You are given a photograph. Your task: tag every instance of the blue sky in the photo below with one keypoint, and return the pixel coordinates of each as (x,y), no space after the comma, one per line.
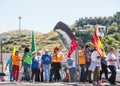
(42,15)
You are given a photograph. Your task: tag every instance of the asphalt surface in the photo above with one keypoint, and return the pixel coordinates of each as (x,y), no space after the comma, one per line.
(52,84)
(21,83)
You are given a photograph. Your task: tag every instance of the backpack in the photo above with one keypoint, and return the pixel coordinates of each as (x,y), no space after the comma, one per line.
(70,62)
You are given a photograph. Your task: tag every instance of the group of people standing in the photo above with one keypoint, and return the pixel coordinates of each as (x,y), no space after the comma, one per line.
(46,67)
(97,64)
(36,66)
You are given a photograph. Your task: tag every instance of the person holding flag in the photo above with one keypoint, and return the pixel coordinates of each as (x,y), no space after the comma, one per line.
(9,64)
(96,56)
(27,61)
(95,66)
(71,60)
(27,58)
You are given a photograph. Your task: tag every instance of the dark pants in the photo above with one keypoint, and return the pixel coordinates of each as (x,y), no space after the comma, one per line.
(105,71)
(34,72)
(40,75)
(112,78)
(72,74)
(83,71)
(57,66)
(88,72)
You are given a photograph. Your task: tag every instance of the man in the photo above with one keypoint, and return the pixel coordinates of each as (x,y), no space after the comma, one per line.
(88,61)
(111,61)
(82,64)
(72,67)
(46,61)
(27,61)
(95,66)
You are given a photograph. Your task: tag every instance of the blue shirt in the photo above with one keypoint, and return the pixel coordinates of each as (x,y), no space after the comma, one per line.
(46,59)
(35,63)
(9,63)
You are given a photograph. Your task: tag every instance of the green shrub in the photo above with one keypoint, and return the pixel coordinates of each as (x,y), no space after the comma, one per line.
(23,35)
(23,45)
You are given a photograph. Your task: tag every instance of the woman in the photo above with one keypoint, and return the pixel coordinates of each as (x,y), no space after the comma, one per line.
(57,57)
(35,67)
(16,59)
(111,61)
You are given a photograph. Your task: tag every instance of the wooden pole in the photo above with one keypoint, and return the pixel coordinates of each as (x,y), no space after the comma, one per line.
(1,60)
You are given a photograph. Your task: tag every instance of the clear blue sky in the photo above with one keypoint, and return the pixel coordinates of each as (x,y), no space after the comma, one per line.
(42,15)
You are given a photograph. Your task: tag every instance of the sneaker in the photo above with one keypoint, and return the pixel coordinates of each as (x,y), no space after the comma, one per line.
(30,81)
(113,83)
(95,83)
(11,80)
(100,81)
(90,81)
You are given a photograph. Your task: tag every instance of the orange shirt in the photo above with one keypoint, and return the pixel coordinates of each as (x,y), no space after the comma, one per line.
(81,57)
(16,60)
(57,57)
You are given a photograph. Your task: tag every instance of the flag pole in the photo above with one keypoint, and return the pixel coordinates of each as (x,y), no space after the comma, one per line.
(1,62)
(76,61)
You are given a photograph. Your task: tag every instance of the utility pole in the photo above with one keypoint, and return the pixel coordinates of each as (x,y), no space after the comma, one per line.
(20,25)
(1,59)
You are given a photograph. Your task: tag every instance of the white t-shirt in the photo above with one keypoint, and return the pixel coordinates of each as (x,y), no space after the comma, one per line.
(94,61)
(111,56)
(38,58)
(94,58)
(73,58)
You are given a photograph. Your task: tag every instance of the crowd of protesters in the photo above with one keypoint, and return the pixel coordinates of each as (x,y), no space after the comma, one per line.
(38,67)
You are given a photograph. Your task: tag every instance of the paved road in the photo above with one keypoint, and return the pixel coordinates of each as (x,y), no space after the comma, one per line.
(7,83)
(52,84)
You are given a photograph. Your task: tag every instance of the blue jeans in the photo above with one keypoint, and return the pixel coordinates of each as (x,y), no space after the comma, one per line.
(11,75)
(27,68)
(83,71)
(52,71)
(46,69)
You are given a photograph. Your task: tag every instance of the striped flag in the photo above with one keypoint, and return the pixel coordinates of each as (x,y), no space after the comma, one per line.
(97,43)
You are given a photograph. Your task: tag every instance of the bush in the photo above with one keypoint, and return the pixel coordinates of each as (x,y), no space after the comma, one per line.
(23,45)
(23,35)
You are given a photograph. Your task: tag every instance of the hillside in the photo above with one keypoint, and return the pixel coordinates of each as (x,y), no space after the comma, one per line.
(49,40)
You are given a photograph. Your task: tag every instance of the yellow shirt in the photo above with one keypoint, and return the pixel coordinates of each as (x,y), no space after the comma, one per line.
(81,57)
(16,60)
(57,57)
